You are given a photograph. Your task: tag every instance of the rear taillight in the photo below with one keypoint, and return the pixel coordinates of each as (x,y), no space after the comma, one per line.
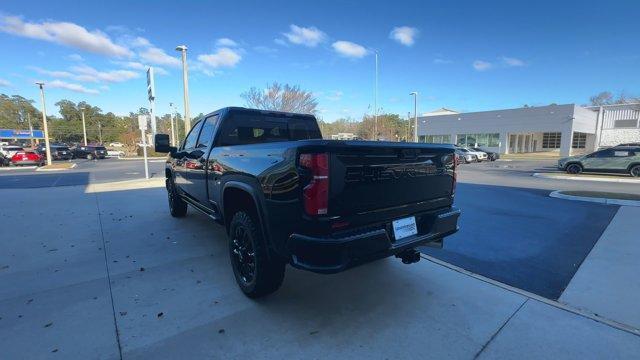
(316,193)
(455,177)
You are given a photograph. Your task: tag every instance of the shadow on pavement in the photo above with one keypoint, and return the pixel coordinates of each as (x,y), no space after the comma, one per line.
(39,180)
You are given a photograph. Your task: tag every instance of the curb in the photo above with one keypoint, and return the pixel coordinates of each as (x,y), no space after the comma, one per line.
(9,168)
(61,169)
(156,182)
(584,178)
(141,158)
(559,195)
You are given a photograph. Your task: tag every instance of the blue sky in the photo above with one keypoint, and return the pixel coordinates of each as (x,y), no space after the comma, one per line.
(468,56)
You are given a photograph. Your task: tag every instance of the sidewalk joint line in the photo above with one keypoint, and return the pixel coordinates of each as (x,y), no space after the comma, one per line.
(495,334)
(530,295)
(106,264)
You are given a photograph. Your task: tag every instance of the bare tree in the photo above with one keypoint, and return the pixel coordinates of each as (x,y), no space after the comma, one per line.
(281,98)
(607,98)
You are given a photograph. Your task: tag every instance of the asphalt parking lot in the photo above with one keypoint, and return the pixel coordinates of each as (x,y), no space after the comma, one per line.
(511,231)
(85,172)
(110,274)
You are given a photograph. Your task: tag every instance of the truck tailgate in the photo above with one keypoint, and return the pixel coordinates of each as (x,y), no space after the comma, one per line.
(373,176)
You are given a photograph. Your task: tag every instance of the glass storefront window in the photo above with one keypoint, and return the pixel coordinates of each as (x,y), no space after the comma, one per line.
(479,140)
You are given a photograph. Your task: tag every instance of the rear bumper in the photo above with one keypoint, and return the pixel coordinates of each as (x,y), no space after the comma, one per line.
(335,254)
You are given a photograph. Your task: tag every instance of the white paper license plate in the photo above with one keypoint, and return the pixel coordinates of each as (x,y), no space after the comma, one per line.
(404,228)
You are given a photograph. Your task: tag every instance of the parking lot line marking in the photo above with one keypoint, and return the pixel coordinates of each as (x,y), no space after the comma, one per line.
(556,304)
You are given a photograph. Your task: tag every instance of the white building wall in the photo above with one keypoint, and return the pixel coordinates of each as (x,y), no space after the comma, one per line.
(612,137)
(552,118)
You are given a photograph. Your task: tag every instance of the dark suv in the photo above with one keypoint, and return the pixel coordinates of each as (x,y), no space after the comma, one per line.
(90,152)
(58,152)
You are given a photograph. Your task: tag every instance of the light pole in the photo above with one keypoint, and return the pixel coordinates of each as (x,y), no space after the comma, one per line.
(84,129)
(415,115)
(44,123)
(185,84)
(375,102)
(173,131)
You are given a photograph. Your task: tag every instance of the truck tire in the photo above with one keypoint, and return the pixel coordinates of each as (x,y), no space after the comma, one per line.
(256,273)
(177,206)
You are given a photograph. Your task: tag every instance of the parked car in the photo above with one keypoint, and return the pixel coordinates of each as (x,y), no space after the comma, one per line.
(10,150)
(4,161)
(491,156)
(27,158)
(619,159)
(466,156)
(480,155)
(286,196)
(90,152)
(115,153)
(116,144)
(58,152)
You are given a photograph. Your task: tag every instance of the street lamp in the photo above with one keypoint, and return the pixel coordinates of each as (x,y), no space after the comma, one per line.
(44,123)
(173,131)
(415,115)
(185,84)
(375,101)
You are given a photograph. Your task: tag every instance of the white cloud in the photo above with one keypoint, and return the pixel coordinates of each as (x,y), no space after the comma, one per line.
(265,50)
(157,56)
(142,67)
(512,62)
(405,35)
(280,42)
(64,33)
(5,83)
(482,65)
(75,57)
(349,49)
(160,71)
(334,96)
(226,42)
(133,65)
(223,57)
(307,36)
(59,84)
(139,41)
(52,73)
(89,74)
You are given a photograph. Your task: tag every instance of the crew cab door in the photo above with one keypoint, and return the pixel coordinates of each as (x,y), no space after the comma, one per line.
(183,158)
(196,169)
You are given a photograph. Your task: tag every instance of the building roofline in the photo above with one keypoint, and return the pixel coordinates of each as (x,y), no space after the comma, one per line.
(518,108)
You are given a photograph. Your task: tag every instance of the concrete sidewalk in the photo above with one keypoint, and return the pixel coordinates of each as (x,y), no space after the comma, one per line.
(607,282)
(122,262)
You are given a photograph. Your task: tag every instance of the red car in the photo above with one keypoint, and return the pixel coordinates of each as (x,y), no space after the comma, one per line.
(27,158)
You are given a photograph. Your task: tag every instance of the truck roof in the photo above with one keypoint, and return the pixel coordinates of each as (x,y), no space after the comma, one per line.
(266,112)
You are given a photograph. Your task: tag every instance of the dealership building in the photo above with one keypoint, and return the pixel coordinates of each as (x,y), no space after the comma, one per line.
(567,129)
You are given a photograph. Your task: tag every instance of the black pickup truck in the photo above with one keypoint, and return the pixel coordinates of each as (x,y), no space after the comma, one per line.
(286,196)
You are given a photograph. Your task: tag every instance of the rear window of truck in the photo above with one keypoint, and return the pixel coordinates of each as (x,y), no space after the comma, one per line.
(255,128)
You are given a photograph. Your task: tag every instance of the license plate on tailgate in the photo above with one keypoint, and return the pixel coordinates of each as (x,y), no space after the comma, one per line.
(403,228)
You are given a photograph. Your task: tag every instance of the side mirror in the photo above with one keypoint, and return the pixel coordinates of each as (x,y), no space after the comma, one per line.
(162,144)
